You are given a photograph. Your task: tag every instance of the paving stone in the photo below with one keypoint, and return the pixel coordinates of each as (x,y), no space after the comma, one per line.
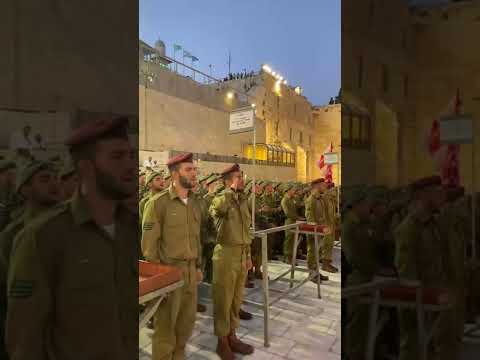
(278,345)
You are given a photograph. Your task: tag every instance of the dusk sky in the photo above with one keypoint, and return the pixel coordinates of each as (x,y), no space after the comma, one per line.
(298,39)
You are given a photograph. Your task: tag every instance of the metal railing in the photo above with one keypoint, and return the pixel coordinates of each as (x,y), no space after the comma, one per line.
(266,282)
(374,289)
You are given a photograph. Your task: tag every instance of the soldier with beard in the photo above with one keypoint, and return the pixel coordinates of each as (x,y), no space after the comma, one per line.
(418,254)
(171,236)
(74,271)
(38,186)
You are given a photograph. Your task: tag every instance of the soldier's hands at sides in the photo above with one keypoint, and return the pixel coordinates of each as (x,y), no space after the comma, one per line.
(199,276)
(249,264)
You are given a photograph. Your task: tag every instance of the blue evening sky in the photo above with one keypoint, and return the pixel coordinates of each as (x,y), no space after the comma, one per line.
(299,39)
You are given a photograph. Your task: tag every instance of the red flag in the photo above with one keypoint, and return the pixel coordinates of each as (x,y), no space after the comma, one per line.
(321,164)
(451,165)
(447,157)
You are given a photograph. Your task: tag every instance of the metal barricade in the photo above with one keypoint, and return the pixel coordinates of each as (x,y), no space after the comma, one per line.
(374,289)
(267,302)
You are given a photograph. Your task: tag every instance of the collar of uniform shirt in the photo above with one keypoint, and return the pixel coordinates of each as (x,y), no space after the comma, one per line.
(81,212)
(173,193)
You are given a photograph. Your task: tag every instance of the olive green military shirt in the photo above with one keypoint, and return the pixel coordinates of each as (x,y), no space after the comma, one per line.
(231,215)
(72,288)
(290,208)
(171,229)
(418,254)
(315,209)
(359,247)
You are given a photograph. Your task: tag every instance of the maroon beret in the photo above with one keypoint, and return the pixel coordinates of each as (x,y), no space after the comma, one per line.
(318,181)
(94,130)
(230,169)
(426,182)
(331,185)
(182,158)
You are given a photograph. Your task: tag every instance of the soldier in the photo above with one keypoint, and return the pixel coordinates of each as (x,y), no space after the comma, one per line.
(359,249)
(268,212)
(155,184)
(290,209)
(202,191)
(37,184)
(451,221)
(7,185)
(171,236)
(256,272)
(68,181)
(74,270)
(418,254)
(231,262)
(209,230)
(316,211)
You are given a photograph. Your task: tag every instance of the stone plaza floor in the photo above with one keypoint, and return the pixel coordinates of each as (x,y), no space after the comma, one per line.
(301,326)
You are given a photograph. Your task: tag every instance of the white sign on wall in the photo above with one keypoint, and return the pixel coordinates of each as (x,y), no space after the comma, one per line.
(456,129)
(242,120)
(330,158)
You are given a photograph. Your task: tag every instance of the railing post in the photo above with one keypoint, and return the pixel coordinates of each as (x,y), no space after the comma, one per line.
(266,294)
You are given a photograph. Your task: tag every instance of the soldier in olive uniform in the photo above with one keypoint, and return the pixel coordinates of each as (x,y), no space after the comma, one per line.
(210,233)
(73,270)
(290,209)
(360,252)
(451,220)
(155,184)
(38,186)
(231,261)
(7,185)
(171,236)
(259,225)
(268,211)
(316,211)
(419,255)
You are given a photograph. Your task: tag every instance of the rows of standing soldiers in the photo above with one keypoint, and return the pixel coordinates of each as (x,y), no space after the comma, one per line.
(420,232)
(226,253)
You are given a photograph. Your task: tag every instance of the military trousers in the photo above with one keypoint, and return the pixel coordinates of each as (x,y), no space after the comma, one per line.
(229,275)
(175,317)
(207,253)
(288,242)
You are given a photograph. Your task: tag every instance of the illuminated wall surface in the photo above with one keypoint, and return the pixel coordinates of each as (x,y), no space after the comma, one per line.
(177,113)
(402,68)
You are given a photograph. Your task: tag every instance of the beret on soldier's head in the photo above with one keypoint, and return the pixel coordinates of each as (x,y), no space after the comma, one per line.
(100,129)
(7,165)
(318,181)
(182,158)
(231,169)
(426,182)
(29,170)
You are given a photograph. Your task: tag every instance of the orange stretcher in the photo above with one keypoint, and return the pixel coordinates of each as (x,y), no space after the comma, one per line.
(155,283)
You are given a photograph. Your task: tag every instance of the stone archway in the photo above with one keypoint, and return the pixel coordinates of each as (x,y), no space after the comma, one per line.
(386,145)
